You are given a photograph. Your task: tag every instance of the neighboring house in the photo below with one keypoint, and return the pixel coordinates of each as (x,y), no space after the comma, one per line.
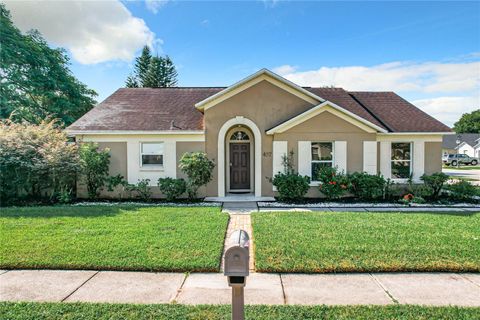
(248,127)
(464,143)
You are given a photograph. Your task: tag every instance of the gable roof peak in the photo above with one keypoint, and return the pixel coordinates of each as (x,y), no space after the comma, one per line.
(260,75)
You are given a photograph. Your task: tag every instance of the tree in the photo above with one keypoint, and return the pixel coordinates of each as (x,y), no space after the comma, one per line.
(94,164)
(131,82)
(142,65)
(36,81)
(198,169)
(152,71)
(154,74)
(169,73)
(36,162)
(468,123)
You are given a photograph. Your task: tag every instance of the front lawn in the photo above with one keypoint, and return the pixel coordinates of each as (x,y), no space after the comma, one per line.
(86,311)
(112,238)
(365,242)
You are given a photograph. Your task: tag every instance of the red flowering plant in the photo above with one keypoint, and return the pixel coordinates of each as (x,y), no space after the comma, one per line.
(333,184)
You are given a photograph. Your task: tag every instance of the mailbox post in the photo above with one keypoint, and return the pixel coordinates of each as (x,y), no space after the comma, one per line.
(236,268)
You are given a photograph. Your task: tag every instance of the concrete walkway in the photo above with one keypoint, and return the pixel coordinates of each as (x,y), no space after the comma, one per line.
(262,288)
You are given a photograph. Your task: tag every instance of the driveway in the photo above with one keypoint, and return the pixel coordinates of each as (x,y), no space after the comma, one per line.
(469,174)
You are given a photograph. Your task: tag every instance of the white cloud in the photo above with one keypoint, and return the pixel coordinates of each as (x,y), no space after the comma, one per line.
(155,5)
(93,31)
(396,76)
(448,89)
(285,69)
(448,109)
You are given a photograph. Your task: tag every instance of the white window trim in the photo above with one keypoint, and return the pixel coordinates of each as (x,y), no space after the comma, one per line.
(151,167)
(316,182)
(401,180)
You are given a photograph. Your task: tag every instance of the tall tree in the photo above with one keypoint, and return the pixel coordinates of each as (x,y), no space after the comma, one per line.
(36,81)
(169,73)
(142,64)
(152,71)
(154,78)
(468,123)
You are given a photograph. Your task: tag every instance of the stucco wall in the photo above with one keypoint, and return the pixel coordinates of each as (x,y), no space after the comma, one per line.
(118,165)
(328,127)
(433,157)
(266,105)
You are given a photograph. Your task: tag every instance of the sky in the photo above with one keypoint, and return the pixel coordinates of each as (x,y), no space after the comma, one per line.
(427,52)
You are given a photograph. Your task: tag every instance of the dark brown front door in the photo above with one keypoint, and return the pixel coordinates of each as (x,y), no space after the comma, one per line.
(239,166)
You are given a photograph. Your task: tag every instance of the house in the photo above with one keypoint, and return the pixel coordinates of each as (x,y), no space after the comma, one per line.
(248,127)
(464,143)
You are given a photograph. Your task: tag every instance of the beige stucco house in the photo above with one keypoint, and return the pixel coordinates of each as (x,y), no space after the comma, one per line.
(247,128)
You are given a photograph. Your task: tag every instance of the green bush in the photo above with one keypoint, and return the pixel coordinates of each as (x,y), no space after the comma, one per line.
(366,186)
(115,181)
(435,182)
(142,189)
(94,164)
(36,162)
(198,169)
(462,190)
(333,184)
(291,186)
(172,188)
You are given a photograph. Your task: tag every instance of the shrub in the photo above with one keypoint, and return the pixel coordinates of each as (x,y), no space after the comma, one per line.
(333,184)
(367,186)
(462,190)
(410,198)
(94,163)
(35,162)
(198,169)
(435,182)
(142,188)
(172,188)
(115,181)
(291,186)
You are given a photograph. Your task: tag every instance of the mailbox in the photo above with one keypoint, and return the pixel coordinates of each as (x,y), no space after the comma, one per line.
(237,258)
(236,268)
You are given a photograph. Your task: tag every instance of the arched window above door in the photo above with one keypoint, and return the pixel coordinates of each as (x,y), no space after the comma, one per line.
(239,136)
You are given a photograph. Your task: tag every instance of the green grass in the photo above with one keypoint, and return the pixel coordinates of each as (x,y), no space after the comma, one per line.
(112,238)
(84,311)
(366,242)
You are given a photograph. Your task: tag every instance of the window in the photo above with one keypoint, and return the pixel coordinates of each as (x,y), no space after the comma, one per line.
(152,154)
(239,136)
(401,160)
(322,156)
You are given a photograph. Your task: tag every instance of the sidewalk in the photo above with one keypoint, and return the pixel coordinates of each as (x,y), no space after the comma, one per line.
(262,288)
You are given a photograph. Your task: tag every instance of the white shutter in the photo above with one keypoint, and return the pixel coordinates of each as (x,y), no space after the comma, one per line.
(279,151)
(340,155)
(305,158)
(370,157)
(418,159)
(385,159)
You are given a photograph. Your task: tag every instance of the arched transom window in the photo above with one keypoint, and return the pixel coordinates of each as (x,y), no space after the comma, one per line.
(239,136)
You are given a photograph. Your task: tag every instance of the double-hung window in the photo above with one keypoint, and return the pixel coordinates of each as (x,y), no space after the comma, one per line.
(401,160)
(322,156)
(152,154)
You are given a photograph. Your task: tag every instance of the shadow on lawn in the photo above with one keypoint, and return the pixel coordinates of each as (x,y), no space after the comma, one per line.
(65,211)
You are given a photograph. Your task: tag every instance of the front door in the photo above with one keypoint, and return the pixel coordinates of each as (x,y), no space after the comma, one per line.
(239,166)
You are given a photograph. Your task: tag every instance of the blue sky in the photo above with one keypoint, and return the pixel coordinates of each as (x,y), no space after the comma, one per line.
(428,52)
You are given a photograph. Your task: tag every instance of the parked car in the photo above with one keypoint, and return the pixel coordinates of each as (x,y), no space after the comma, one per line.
(459,159)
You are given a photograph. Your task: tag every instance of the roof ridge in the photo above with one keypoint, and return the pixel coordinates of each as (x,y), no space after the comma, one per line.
(370,112)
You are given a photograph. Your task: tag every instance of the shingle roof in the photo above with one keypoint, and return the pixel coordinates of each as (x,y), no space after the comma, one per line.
(147,109)
(161,109)
(450,141)
(398,114)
